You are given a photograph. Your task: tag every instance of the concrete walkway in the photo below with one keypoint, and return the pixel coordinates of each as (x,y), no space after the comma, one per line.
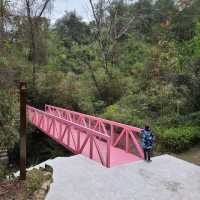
(166,178)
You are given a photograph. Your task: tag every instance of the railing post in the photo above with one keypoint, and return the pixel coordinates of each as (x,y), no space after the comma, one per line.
(112,134)
(89,123)
(68,136)
(46,108)
(23,136)
(54,127)
(78,141)
(91,147)
(138,147)
(127,141)
(108,154)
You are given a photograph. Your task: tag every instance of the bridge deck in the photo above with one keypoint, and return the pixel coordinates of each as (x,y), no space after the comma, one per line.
(118,156)
(121,157)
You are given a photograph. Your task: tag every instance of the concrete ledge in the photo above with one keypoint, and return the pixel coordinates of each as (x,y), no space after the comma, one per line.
(166,178)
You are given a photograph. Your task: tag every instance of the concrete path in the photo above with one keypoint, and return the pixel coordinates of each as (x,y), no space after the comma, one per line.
(166,178)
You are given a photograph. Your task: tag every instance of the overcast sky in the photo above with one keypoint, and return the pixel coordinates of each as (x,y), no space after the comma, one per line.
(81,7)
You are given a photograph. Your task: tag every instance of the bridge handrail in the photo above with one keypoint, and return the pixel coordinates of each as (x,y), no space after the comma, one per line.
(93,132)
(127,133)
(130,128)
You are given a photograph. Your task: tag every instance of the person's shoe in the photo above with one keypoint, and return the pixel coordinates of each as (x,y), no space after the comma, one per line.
(149,160)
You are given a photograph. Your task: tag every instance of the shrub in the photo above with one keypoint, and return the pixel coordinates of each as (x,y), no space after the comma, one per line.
(2,172)
(192,119)
(8,118)
(34,180)
(178,139)
(117,113)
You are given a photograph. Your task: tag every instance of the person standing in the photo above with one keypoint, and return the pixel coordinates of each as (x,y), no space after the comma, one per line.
(147,140)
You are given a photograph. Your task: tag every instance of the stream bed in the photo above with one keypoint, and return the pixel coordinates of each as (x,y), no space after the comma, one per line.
(192,155)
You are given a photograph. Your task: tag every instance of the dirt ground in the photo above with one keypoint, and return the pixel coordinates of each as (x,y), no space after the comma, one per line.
(192,155)
(34,188)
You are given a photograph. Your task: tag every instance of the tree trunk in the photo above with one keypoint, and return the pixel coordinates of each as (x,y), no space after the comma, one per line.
(32,49)
(2,30)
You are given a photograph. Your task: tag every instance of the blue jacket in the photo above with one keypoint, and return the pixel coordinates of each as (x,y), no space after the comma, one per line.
(147,139)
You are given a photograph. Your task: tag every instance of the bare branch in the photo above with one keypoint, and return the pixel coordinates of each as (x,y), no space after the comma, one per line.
(44,7)
(93,11)
(125,29)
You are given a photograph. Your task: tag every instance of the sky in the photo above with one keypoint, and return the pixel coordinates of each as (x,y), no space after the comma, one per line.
(81,7)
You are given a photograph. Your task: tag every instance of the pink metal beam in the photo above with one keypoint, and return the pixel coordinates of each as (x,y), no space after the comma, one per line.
(106,127)
(75,137)
(49,108)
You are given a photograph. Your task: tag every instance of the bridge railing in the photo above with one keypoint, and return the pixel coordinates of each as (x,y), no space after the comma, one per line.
(122,135)
(71,135)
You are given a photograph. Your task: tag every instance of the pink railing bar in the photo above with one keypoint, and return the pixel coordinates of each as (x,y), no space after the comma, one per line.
(98,134)
(58,129)
(117,124)
(107,127)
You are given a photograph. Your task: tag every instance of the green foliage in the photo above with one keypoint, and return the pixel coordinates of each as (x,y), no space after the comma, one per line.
(3,61)
(71,29)
(36,139)
(178,139)
(192,119)
(122,114)
(134,54)
(35,179)
(151,73)
(8,119)
(2,172)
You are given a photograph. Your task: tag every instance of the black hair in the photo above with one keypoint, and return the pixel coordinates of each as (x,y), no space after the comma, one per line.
(147,128)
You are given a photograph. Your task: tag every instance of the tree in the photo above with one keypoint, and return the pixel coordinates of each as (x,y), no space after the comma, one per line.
(4,18)
(8,117)
(111,23)
(185,20)
(71,28)
(34,12)
(143,10)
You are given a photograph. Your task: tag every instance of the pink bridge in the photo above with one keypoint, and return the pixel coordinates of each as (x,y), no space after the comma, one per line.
(107,142)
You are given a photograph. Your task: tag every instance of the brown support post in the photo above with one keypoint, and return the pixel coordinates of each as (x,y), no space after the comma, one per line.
(23,136)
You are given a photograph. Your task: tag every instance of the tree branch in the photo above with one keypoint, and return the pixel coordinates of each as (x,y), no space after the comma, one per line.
(44,7)
(125,29)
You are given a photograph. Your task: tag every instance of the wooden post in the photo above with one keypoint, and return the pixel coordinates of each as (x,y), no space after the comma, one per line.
(23,136)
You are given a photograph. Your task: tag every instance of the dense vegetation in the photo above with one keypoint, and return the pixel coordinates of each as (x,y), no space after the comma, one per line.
(136,62)
(34,187)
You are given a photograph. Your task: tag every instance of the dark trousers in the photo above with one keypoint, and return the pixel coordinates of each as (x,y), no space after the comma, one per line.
(147,154)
